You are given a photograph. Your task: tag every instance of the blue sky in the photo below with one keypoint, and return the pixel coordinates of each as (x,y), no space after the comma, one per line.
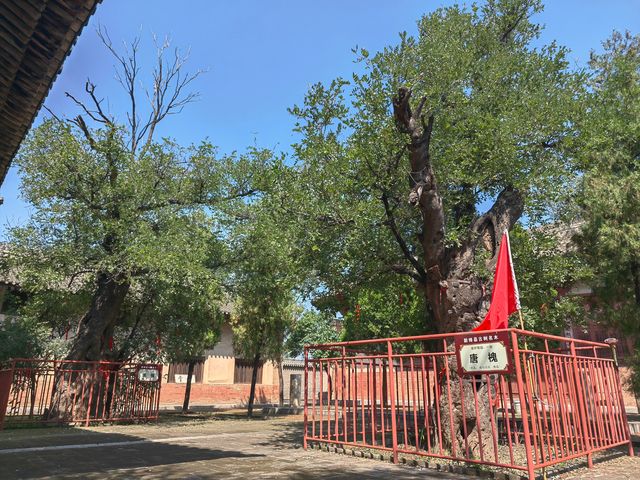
(262,56)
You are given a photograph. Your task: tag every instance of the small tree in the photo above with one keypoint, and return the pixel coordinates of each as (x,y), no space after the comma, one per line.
(259,329)
(189,324)
(264,285)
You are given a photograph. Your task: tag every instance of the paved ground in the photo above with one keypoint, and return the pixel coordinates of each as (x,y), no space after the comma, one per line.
(227,449)
(211,448)
(620,468)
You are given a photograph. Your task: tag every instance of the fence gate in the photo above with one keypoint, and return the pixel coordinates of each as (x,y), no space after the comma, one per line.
(549,399)
(71,392)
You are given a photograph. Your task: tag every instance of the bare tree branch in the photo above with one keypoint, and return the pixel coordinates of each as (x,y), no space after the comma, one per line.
(169,83)
(406,251)
(130,70)
(424,189)
(79,121)
(55,117)
(506,35)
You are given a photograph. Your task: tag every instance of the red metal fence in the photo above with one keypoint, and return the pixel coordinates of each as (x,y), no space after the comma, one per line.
(49,391)
(561,399)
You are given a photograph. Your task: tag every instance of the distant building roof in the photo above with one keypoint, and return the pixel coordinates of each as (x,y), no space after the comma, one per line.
(35,38)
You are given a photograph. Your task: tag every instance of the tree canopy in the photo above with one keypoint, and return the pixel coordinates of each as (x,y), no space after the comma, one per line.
(415,165)
(121,218)
(609,198)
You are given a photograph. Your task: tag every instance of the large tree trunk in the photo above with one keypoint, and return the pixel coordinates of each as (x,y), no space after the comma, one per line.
(187,390)
(106,303)
(254,379)
(89,345)
(454,293)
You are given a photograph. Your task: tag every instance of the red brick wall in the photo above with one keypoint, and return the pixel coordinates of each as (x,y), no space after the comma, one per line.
(203,394)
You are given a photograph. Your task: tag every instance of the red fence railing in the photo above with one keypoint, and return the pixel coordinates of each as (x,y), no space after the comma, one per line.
(561,399)
(63,391)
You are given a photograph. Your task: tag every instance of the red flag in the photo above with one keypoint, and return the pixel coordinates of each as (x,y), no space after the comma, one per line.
(505,298)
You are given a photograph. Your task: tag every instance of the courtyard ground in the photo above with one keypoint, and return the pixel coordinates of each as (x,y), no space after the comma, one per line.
(208,447)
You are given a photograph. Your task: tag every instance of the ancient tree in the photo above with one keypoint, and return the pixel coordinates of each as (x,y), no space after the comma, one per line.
(476,120)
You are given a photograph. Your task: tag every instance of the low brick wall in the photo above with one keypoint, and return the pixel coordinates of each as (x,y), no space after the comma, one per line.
(216,395)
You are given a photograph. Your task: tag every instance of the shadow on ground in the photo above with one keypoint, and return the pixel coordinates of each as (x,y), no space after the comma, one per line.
(99,453)
(288,436)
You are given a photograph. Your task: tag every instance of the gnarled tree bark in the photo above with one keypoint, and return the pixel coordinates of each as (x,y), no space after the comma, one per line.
(454,293)
(67,400)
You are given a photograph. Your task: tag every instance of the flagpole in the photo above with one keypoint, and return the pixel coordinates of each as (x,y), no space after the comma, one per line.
(526,347)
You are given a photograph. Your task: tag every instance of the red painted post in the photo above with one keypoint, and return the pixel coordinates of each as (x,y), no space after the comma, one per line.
(93,380)
(313,396)
(363,391)
(392,394)
(505,415)
(344,404)
(523,406)
(446,369)
(404,402)
(320,407)
(415,409)
(157,412)
(306,393)
(6,380)
(494,431)
(582,410)
(426,397)
(436,387)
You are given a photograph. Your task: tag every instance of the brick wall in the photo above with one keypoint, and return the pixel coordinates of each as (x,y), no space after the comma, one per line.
(216,395)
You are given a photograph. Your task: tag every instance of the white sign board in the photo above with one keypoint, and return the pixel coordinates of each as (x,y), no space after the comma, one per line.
(483,352)
(484,357)
(182,378)
(148,375)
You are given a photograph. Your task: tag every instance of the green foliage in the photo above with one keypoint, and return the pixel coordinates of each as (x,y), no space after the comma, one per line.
(311,328)
(110,201)
(395,310)
(188,321)
(609,198)
(264,283)
(545,266)
(505,115)
(105,209)
(23,338)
